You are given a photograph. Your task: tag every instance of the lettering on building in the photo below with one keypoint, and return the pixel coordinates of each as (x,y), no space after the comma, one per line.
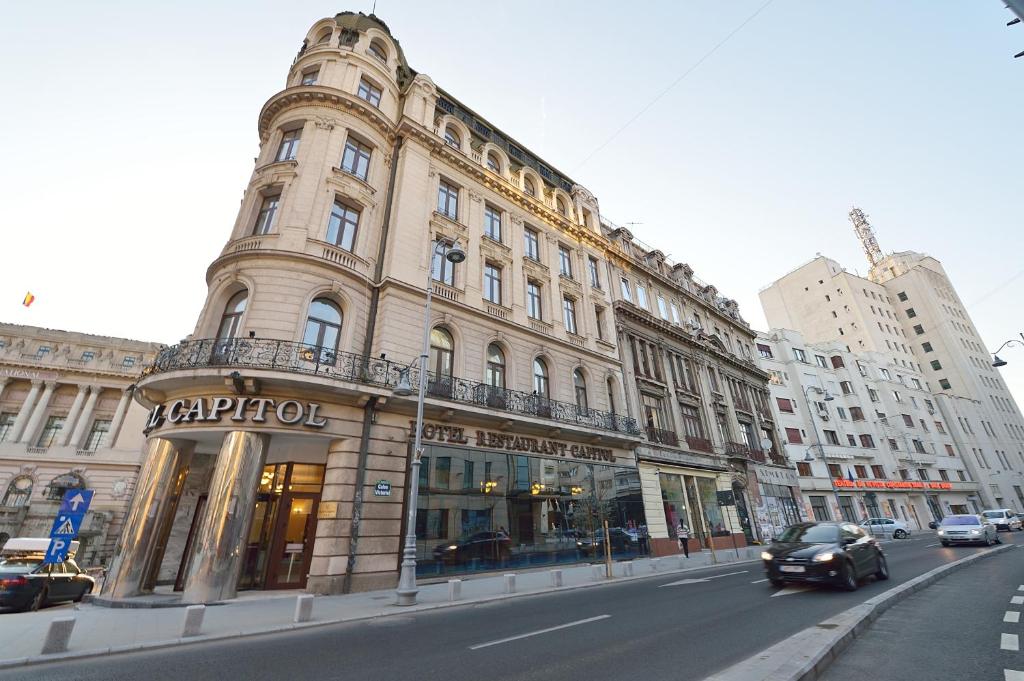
(510,442)
(890,484)
(237,409)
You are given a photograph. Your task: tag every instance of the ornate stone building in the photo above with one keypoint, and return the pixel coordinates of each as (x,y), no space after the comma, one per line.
(277,451)
(67,420)
(701,401)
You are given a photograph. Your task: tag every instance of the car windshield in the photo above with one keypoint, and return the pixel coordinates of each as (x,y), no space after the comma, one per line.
(961,520)
(993,514)
(19,565)
(810,534)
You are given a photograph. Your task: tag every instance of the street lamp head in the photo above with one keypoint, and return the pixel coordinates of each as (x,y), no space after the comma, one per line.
(404,387)
(998,362)
(808,457)
(828,397)
(455,254)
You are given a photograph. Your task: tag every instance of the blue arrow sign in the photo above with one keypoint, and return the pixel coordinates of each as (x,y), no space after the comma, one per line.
(57,551)
(65,525)
(76,501)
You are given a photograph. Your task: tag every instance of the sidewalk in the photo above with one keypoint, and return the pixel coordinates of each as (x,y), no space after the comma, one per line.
(102,630)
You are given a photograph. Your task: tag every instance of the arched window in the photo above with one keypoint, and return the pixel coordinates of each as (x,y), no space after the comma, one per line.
(442,354)
(560,205)
(495,374)
(324,38)
(323,328)
(493,163)
(18,491)
(451,137)
(378,50)
(580,388)
(529,187)
(540,378)
(62,483)
(231,320)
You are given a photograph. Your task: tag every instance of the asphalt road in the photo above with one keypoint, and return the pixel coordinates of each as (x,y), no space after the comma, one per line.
(642,629)
(951,630)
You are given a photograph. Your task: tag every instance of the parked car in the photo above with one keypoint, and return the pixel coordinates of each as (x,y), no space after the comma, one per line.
(890,527)
(967,529)
(27,584)
(1003,519)
(621,541)
(825,552)
(480,546)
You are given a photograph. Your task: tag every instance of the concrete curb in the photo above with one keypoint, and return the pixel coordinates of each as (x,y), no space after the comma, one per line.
(805,656)
(395,610)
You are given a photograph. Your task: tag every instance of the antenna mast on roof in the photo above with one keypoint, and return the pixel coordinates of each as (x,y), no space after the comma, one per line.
(866,234)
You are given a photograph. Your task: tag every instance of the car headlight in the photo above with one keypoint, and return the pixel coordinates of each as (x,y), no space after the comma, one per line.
(767,556)
(975,531)
(941,532)
(452,547)
(824,557)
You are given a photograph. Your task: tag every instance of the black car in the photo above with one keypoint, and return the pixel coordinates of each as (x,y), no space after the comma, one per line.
(27,584)
(830,553)
(496,546)
(622,541)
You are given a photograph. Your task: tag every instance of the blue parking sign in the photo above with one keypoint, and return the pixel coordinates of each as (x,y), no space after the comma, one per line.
(57,551)
(76,501)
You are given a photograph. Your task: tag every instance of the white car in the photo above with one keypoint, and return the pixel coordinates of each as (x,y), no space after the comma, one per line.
(967,529)
(886,527)
(1003,519)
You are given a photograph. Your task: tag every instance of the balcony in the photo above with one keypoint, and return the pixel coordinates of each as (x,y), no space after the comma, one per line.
(742,451)
(665,437)
(299,358)
(700,444)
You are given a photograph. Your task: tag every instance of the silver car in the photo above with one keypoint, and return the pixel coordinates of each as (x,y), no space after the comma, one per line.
(967,529)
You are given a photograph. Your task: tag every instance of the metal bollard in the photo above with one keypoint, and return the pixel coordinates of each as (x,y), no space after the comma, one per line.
(58,635)
(627,568)
(454,589)
(556,578)
(510,583)
(654,564)
(303,608)
(193,620)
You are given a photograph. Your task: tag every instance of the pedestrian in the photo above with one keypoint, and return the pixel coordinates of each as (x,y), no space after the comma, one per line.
(683,532)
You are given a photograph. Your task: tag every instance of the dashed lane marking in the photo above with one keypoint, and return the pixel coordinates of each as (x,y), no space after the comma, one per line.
(540,631)
(759,581)
(1012,616)
(1009,642)
(790,590)
(1017,600)
(928,546)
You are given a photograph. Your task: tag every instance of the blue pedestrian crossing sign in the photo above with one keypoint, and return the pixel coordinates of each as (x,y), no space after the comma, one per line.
(73,507)
(65,525)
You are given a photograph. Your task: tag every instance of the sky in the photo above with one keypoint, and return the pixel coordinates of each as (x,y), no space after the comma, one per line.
(130,133)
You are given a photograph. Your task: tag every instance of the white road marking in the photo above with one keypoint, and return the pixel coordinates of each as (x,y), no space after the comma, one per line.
(760,580)
(1009,642)
(1020,588)
(1012,616)
(790,590)
(1017,600)
(538,633)
(698,580)
(1010,675)
(928,546)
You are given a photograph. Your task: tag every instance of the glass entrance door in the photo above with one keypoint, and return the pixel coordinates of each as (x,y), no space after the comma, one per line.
(293,543)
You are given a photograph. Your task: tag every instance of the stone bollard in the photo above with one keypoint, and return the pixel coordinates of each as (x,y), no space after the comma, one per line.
(556,578)
(58,635)
(654,564)
(303,607)
(627,568)
(683,561)
(454,589)
(510,583)
(597,571)
(193,620)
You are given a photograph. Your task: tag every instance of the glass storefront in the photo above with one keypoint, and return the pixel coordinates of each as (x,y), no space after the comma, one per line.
(489,511)
(693,500)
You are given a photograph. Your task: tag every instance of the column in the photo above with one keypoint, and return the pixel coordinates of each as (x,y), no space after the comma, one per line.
(32,429)
(85,420)
(157,490)
(220,540)
(334,523)
(122,409)
(3,383)
(26,410)
(72,414)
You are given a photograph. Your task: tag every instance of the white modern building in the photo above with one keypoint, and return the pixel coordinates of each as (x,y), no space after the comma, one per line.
(867,439)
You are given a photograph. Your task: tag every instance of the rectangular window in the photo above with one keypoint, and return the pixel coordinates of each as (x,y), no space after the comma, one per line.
(265,218)
(341,230)
(922,473)
(675,315)
(896,396)
(867,441)
(492,223)
(87,356)
(448,200)
(873,394)
(961,476)
(943,474)
(837,362)
(424,472)
(856,414)
(842,413)
(886,375)
(595,275)
(846,387)
(599,321)
(764,350)
(128,362)
(6,424)
(565,262)
(467,474)
(893,445)
(908,420)
(878,472)
(440,268)
(289,145)
(356,159)
(918,329)
(927,347)
(860,470)
(917,383)
(936,365)
(904,474)
(831,437)
(492,283)
(944,384)
(939,427)
(820,360)
(369,92)
(902,296)
(820,508)
(911,313)
(51,430)
(662,308)
(310,77)
(533,305)
(569,314)
(800,355)
(785,404)
(627,294)
(693,425)
(531,245)
(793,436)
(98,435)
(641,296)
(443,472)
(803,469)
(835,470)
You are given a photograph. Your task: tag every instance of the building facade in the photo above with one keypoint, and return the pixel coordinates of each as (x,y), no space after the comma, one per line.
(867,440)
(277,451)
(908,312)
(67,421)
(702,403)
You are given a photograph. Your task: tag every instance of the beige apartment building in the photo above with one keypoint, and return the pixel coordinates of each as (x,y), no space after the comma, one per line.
(67,421)
(908,311)
(278,453)
(702,402)
(867,439)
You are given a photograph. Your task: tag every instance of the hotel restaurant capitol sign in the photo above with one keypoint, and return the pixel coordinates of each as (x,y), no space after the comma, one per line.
(236,409)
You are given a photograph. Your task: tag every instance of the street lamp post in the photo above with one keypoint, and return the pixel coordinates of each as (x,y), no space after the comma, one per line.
(407,588)
(996,361)
(817,439)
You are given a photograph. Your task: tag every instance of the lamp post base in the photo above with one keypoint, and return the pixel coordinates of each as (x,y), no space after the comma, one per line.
(407,589)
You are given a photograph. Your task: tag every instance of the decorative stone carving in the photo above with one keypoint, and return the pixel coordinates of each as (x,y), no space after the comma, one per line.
(325,123)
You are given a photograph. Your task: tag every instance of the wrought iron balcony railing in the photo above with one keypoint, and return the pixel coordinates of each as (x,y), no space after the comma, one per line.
(700,444)
(665,437)
(262,353)
(738,449)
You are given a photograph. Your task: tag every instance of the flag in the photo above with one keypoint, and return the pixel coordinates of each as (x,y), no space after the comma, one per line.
(29,299)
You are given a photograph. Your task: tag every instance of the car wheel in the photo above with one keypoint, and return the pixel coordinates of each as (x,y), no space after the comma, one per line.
(38,601)
(849,578)
(883,568)
(900,534)
(777,583)
(86,590)
(988,540)
(945,543)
